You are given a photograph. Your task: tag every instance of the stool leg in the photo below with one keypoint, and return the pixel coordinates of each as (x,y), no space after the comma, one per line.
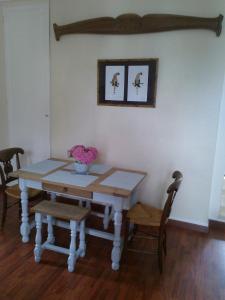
(51,238)
(82,245)
(37,249)
(72,257)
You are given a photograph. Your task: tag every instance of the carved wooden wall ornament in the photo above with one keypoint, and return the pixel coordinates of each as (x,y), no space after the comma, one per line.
(135,24)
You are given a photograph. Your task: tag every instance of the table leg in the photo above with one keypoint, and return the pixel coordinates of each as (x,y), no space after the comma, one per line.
(116,251)
(25,226)
(106,217)
(53,196)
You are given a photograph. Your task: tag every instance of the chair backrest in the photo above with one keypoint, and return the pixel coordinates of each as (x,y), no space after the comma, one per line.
(171,191)
(6,155)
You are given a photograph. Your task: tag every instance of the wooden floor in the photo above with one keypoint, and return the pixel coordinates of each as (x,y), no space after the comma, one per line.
(194,269)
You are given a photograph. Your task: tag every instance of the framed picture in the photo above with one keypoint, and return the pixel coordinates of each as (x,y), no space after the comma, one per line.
(127,82)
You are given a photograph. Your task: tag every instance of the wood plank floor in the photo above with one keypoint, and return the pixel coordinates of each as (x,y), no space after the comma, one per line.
(194,269)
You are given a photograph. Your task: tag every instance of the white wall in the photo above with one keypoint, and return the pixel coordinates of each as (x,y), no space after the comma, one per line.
(219,165)
(26,29)
(3,102)
(4,122)
(180,133)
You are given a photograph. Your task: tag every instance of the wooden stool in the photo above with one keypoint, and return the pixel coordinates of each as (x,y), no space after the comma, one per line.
(75,214)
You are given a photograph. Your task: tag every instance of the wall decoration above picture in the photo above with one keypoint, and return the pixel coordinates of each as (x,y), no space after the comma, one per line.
(127,82)
(135,24)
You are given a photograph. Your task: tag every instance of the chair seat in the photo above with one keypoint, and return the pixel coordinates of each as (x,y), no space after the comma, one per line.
(142,214)
(14,191)
(61,210)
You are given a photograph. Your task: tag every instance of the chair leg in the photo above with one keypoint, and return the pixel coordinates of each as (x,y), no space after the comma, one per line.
(132,230)
(160,256)
(20,210)
(4,209)
(126,236)
(164,243)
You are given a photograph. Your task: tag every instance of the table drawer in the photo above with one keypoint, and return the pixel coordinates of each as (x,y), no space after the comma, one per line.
(66,190)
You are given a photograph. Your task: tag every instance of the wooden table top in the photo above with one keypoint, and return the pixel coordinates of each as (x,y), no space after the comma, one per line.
(58,172)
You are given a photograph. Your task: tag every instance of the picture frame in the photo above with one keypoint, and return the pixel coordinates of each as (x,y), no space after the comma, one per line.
(127,82)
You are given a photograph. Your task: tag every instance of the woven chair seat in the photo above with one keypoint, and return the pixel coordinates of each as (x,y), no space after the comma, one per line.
(14,191)
(143,214)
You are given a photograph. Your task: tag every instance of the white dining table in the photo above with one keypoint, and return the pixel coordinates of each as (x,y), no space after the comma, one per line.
(106,185)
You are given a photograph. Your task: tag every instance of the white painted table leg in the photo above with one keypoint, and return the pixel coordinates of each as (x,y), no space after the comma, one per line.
(88,204)
(25,226)
(111,217)
(53,196)
(106,217)
(82,245)
(116,251)
(72,256)
(37,249)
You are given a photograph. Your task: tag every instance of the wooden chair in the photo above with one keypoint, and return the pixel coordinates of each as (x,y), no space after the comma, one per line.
(155,219)
(6,157)
(75,215)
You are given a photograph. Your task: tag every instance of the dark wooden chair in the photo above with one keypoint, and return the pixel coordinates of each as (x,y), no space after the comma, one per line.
(6,167)
(152,219)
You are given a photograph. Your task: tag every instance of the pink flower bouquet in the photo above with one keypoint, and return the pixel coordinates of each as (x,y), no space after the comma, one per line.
(83,155)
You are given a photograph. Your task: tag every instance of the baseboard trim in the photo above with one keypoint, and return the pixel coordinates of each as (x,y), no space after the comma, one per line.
(187,225)
(215,224)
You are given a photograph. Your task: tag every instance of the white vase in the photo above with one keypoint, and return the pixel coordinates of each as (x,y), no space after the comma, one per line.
(81,168)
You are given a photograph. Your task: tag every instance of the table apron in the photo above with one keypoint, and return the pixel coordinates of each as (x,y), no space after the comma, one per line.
(32,183)
(78,194)
(66,190)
